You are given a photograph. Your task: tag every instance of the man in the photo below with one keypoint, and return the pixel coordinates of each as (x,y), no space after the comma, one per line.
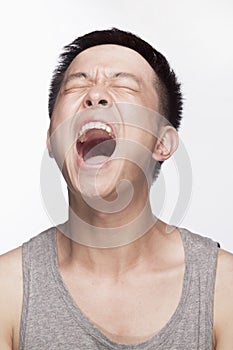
(114,276)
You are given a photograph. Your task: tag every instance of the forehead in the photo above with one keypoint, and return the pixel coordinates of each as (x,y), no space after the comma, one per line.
(111,57)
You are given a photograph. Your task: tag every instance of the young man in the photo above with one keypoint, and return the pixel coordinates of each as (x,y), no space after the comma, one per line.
(114,276)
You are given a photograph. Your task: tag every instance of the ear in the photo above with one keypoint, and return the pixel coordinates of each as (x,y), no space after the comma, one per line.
(49,144)
(166,144)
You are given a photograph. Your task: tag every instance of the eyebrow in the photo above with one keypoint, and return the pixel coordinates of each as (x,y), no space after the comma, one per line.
(85,75)
(77,75)
(126,75)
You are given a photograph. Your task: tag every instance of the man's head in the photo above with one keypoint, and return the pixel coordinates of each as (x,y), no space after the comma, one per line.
(98,70)
(166,84)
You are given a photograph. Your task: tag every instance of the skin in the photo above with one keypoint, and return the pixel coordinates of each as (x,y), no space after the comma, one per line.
(155,260)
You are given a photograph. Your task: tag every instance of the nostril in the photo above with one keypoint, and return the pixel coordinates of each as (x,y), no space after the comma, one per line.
(88,103)
(103,102)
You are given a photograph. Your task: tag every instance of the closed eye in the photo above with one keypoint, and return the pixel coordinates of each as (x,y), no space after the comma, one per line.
(125,81)
(76,87)
(126,87)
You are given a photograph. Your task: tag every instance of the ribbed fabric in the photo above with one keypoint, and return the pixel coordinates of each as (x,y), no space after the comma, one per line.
(51,320)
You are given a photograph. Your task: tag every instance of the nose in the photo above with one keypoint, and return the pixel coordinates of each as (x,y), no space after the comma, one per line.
(97,97)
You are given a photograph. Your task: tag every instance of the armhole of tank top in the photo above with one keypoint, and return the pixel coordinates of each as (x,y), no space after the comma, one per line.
(211,272)
(25,301)
(210,269)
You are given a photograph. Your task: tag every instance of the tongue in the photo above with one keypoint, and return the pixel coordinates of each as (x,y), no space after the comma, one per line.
(98,146)
(100,149)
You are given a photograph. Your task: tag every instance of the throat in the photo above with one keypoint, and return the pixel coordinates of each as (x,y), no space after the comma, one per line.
(96,146)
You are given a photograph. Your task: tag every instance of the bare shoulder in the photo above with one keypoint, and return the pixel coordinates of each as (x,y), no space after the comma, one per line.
(11,292)
(224,276)
(11,258)
(11,268)
(223,309)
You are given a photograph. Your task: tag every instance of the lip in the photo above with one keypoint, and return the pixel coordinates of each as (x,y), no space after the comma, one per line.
(88,166)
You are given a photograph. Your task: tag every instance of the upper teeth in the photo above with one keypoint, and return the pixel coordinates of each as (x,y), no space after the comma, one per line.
(93,125)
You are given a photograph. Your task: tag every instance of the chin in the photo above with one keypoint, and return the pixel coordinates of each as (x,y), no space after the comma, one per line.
(93,181)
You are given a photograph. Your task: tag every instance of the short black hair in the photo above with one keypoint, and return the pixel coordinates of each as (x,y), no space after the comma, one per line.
(168,87)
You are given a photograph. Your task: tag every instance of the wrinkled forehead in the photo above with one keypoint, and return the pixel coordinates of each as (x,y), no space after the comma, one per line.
(111,57)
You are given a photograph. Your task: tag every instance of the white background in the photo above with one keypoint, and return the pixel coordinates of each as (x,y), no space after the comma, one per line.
(195,36)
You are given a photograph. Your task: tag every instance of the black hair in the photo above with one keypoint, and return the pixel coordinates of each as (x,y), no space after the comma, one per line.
(167,85)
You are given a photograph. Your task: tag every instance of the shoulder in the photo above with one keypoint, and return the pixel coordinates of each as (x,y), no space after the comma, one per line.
(11,293)
(223,308)
(200,249)
(11,268)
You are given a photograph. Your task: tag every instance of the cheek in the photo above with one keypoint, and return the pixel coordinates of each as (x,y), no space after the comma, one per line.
(139,136)
(66,107)
(150,101)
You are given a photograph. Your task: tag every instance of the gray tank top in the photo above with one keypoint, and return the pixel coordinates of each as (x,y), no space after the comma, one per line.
(51,320)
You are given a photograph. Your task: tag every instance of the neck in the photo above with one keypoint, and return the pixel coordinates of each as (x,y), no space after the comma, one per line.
(114,262)
(118,209)
(108,244)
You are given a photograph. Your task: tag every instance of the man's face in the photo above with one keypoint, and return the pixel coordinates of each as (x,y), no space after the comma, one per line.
(106,106)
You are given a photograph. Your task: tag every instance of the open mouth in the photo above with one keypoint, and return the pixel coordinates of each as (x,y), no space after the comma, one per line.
(96,142)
